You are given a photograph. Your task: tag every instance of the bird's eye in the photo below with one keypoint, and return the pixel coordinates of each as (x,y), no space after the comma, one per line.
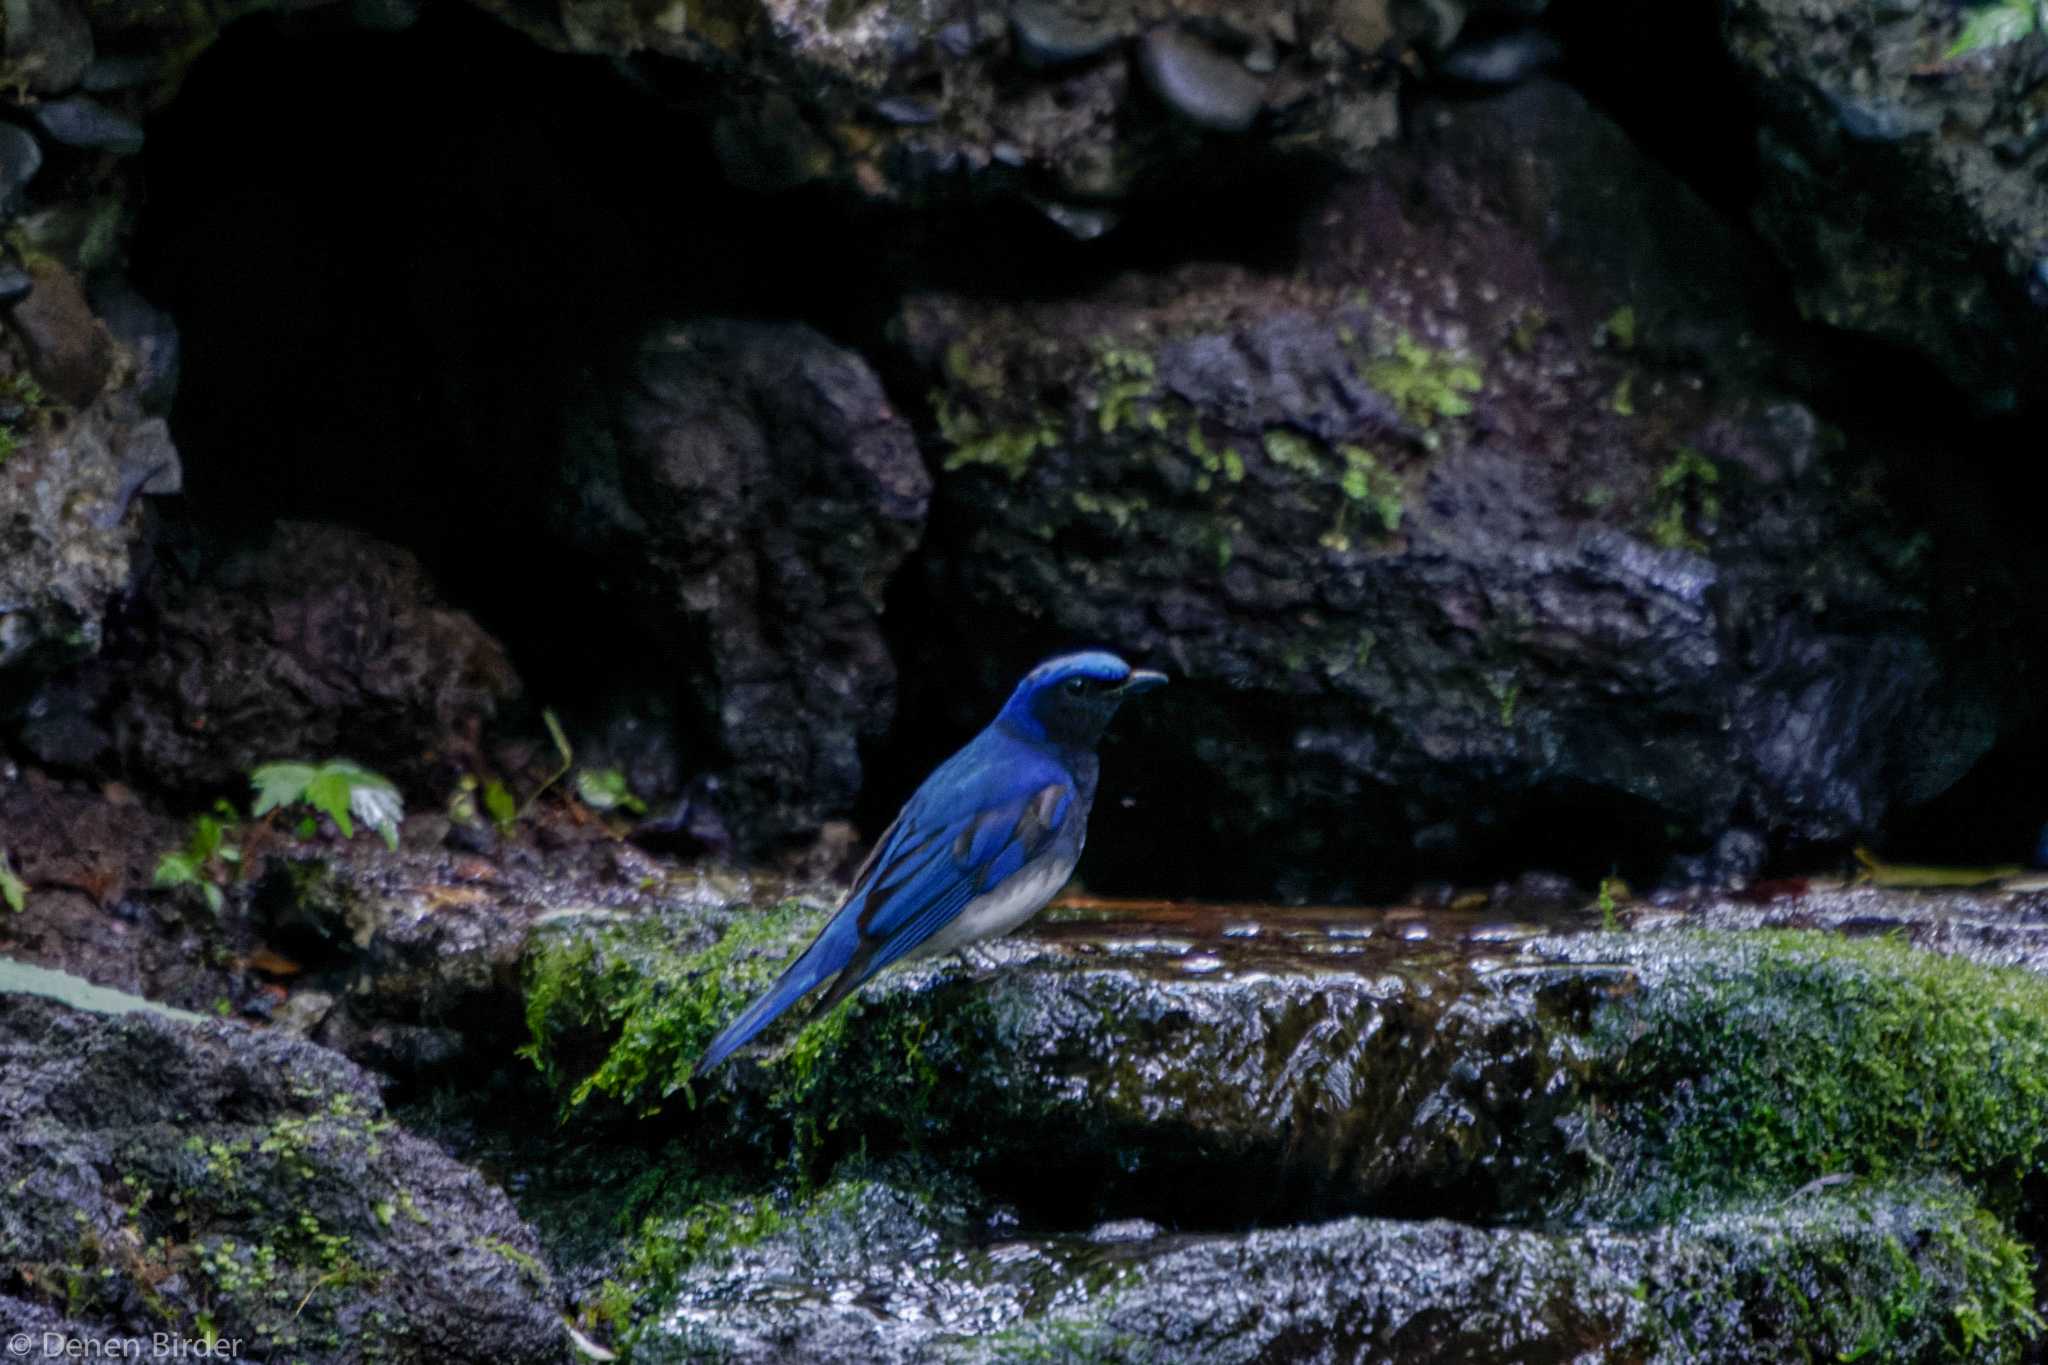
(1076,686)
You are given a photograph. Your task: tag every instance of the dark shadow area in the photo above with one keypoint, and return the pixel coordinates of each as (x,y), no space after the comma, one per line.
(1663,74)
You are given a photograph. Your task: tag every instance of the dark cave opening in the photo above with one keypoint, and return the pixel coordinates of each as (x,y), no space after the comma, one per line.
(393,284)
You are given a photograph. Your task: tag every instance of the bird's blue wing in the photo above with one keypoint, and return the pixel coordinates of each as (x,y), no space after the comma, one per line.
(943,851)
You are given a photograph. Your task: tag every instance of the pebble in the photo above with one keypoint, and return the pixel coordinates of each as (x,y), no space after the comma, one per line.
(906,110)
(1202,85)
(1504,59)
(21,156)
(81,122)
(1048,34)
(1082,224)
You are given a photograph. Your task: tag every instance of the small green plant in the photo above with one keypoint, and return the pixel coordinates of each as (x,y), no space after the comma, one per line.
(2000,24)
(606,789)
(499,804)
(13,889)
(1613,891)
(209,858)
(342,791)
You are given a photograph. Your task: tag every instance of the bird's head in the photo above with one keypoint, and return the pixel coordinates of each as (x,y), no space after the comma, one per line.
(1070,700)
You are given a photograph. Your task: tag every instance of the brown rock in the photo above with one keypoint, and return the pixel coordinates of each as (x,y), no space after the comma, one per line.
(70,351)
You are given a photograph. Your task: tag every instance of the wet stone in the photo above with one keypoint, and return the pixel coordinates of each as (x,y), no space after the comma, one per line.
(1049,34)
(1729,1287)
(82,122)
(1206,87)
(20,158)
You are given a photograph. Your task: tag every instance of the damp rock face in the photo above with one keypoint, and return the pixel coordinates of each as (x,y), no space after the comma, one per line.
(1449,1135)
(173,1175)
(78,453)
(1067,103)
(316,642)
(1742,1285)
(1484,501)
(751,488)
(1903,188)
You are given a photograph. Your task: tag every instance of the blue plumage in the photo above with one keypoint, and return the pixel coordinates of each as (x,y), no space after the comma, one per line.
(981,846)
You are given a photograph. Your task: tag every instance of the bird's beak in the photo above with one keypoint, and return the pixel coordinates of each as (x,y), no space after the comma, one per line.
(1141,680)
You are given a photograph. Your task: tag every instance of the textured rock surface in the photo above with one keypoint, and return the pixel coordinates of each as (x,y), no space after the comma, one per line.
(1905,191)
(167,1175)
(79,452)
(751,484)
(920,103)
(1645,1138)
(1465,518)
(870,1279)
(313,643)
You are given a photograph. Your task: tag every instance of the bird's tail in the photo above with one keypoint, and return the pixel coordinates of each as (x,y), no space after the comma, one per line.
(826,956)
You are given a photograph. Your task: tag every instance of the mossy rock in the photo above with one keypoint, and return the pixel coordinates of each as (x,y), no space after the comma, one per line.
(1751,1064)
(213,1180)
(1891,1273)
(1756,1141)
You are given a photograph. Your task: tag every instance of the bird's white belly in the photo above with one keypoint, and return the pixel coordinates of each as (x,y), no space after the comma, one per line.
(1002,909)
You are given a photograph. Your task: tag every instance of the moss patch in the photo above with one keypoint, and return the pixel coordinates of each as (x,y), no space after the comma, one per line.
(1423,384)
(660,1007)
(1763,1062)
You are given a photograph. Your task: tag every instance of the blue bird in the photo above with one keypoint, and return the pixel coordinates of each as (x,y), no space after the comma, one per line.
(988,839)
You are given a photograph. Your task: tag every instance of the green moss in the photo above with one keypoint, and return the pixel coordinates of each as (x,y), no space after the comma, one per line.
(535,1273)
(1121,511)
(1423,384)
(1620,327)
(1009,449)
(1377,491)
(1293,452)
(1685,491)
(1868,1274)
(1768,1061)
(663,1005)
(1124,379)
(1623,403)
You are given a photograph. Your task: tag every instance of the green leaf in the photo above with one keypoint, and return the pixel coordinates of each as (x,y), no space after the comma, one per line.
(175,869)
(499,803)
(606,789)
(1996,25)
(344,792)
(279,784)
(327,793)
(13,889)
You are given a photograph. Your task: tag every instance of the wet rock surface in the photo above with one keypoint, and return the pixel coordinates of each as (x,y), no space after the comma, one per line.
(751,486)
(1461,520)
(853,1281)
(1903,186)
(1644,1138)
(1046,99)
(1213,1132)
(313,641)
(80,455)
(207,1178)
